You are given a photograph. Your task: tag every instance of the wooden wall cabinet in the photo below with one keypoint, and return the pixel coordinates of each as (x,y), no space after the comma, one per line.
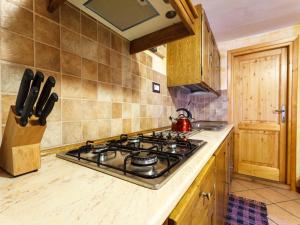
(194,61)
(205,202)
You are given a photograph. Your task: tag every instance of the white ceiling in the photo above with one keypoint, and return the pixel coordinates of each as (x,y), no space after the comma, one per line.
(230,19)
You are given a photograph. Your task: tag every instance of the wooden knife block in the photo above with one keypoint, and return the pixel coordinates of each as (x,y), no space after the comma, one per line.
(20,148)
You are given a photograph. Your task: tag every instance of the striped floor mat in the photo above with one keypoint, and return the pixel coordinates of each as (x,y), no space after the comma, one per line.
(242,211)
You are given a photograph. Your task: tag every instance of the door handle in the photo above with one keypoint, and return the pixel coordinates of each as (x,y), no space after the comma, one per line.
(282,111)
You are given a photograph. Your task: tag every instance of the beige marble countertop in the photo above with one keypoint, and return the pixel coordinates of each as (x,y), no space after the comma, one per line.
(64,193)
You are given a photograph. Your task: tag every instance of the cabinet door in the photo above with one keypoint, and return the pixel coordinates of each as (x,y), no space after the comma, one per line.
(198,202)
(216,69)
(206,52)
(221,194)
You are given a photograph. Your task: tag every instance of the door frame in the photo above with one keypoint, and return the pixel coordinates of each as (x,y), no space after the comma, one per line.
(292,44)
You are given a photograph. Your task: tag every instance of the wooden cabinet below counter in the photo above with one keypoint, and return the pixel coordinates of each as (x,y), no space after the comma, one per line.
(205,202)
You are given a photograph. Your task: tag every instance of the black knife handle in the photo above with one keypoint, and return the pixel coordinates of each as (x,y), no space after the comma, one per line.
(23,90)
(48,108)
(28,105)
(50,83)
(37,81)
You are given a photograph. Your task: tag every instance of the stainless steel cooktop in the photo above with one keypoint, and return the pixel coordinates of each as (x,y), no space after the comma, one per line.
(147,160)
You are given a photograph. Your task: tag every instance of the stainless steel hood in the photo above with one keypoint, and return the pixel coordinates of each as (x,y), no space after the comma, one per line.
(130,18)
(123,14)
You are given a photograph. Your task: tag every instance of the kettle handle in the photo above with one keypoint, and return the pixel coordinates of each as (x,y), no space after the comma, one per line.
(189,114)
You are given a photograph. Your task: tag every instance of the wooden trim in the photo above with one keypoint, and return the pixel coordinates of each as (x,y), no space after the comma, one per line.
(98,141)
(185,15)
(168,34)
(261,126)
(293,46)
(54,4)
(192,9)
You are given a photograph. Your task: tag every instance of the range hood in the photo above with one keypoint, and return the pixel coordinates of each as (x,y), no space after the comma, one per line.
(129,18)
(145,23)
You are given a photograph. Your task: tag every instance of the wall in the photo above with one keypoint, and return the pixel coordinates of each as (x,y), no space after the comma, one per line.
(103,90)
(288,32)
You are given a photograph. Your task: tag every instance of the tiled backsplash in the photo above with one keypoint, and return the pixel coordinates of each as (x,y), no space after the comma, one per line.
(104,91)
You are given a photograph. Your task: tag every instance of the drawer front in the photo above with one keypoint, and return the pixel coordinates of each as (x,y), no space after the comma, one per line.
(197,202)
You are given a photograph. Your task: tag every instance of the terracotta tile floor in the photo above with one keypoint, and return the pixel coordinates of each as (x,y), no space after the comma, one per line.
(283,205)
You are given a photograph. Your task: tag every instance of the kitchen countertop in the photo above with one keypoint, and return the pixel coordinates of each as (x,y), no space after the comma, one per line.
(65,193)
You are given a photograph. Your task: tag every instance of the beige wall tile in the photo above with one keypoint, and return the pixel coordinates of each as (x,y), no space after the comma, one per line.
(11,79)
(127,126)
(6,102)
(116,127)
(71,87)
(52,136)
(14,48)
(41,8)
(116,76)
(117,93)
(70,41)
(116,110)
(24,3)
(103,54)
(47,57)
(115,60)
(89,49)
(104,110)
(89,69)
(135,124)
(104,92)
(90,110)
(71,110)
(89,130)
(103,35)
(71,132)
(126,111)
(104,128)
(15,18)
(116,42)
(47,32)
(70,17)
(89,89)
(70,63)
(55,114)
(135,110)
(104,73)
(89,27)
(136,96)
(127,94)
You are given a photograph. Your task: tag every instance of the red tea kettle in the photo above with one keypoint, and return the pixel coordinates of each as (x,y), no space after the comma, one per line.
(183,122)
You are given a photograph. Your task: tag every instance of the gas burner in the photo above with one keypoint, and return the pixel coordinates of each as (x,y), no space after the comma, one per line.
(99,148)
(106,155)
(135,141)
(144,159)
(171,146)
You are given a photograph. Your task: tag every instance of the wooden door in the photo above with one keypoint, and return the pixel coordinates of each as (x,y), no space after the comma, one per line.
(259,91)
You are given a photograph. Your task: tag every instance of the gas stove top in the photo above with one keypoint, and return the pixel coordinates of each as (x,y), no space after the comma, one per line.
(147,160)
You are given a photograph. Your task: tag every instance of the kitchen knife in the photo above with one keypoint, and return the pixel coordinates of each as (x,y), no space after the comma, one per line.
(37,80)
(50,83)
(31,98)
(23,90)
(48,108)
